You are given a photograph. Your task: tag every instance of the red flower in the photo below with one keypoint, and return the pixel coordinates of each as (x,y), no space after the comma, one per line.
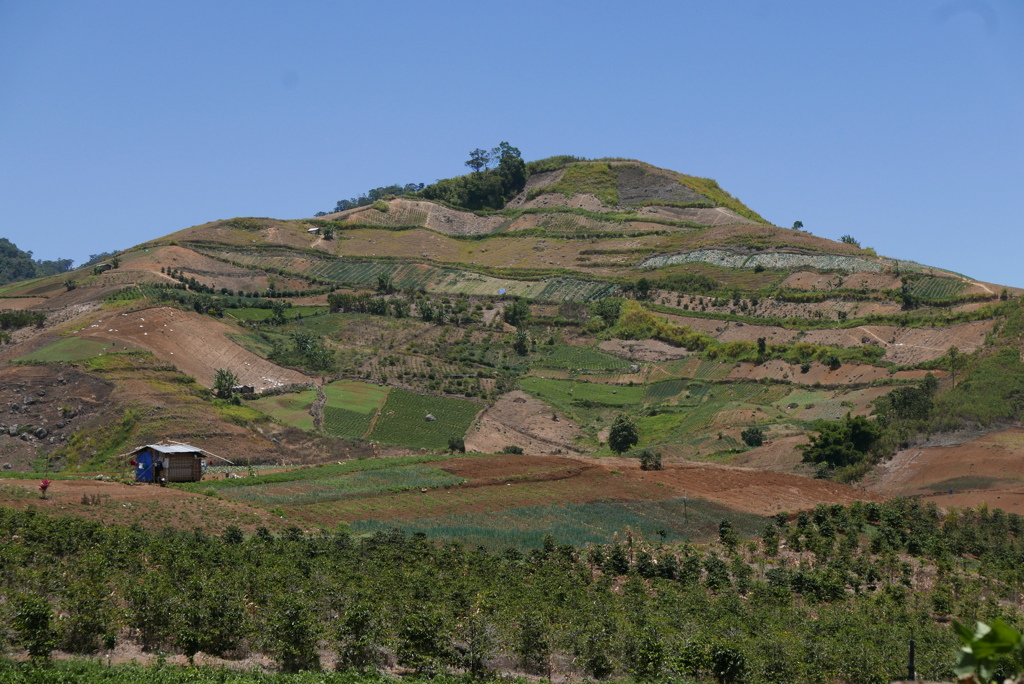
(44,484)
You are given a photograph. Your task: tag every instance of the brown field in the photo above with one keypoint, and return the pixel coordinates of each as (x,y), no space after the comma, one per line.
(983,470)
(500,482)
(518,419)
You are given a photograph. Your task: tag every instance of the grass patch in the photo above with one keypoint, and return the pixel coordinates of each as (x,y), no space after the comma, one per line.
(300,492)
(72,349)
(965,482)
(579,358)
(291,408)
(571,393)
(313,472)
(360,397)
(594,178)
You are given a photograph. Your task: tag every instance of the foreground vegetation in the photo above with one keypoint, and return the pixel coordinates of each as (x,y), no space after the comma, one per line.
(830,596)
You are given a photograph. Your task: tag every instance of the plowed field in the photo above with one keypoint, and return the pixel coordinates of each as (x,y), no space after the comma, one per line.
(197,345)
(988,469)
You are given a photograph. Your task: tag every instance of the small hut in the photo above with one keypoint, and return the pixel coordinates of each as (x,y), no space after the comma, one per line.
(169,463)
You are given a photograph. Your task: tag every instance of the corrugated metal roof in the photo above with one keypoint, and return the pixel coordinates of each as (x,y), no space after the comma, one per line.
(170,448)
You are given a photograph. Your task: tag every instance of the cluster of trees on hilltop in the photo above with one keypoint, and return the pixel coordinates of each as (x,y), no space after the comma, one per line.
(18,265)
(499,174)
(371,196)
(486,187)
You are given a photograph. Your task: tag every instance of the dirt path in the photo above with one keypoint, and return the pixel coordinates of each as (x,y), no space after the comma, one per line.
(317,409)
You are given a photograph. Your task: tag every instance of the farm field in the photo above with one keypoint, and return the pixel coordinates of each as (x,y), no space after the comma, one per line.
(291,408)
(403,419)
(984,469)
(673,521)
(197,345)
(152,507)
(501,482)
(300,492)
(75,349)
(290,313)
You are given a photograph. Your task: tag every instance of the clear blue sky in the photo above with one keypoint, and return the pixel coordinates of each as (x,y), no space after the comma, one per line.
(900,123)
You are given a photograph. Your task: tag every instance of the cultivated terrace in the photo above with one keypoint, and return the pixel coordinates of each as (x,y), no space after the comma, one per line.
(567,419)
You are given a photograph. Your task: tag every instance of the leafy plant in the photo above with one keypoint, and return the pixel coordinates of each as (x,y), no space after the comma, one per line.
(986,648)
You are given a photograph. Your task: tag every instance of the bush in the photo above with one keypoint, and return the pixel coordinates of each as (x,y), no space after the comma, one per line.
(650,460)
(753,436)
(457,445)
(512,449)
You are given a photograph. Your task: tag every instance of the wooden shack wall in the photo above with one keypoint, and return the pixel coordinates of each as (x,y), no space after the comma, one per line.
(184,468)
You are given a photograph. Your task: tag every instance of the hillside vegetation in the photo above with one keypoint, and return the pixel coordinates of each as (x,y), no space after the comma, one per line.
(585,370)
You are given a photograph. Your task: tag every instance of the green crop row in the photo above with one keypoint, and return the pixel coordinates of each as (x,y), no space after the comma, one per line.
(345,423)
(302,492)
(405,420)
(525,527)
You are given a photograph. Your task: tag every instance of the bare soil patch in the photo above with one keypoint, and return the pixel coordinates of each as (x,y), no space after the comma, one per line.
(823,282)
(197,345)
(649,351)
(518,419)
(42,408)
(755,491)
(985,470)
(21,303)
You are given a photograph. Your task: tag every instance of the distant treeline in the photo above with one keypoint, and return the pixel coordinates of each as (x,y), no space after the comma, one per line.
(372,196)
(18,265)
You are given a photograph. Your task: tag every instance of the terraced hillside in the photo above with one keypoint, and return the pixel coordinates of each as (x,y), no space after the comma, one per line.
(519,323)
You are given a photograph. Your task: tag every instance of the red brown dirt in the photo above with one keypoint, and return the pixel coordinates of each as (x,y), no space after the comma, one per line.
(983,470)
(197,345)
(509,481)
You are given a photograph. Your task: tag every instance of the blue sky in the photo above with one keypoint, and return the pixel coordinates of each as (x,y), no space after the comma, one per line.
(900,123)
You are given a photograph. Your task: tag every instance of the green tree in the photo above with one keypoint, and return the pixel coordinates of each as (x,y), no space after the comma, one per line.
(479,159)
(521,342)
(224,382)
(624,434)
(849,240)
(517,313)
(753,436)
(423,641)
(798,225)
(841,443)
(360,637)
(294,633)
(955,362)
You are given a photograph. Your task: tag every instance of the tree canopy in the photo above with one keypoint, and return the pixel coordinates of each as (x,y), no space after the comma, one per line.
(16,264)
(485,188)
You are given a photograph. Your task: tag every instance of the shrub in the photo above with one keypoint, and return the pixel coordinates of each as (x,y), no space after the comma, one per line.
(512,449)
(650,460)
(457,445)
(753,436)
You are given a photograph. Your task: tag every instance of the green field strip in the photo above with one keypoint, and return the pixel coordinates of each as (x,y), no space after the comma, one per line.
(525,527)
(301,492)
(403,420)
(75,349)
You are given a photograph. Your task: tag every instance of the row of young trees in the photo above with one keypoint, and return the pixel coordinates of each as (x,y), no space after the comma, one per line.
(809,602)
